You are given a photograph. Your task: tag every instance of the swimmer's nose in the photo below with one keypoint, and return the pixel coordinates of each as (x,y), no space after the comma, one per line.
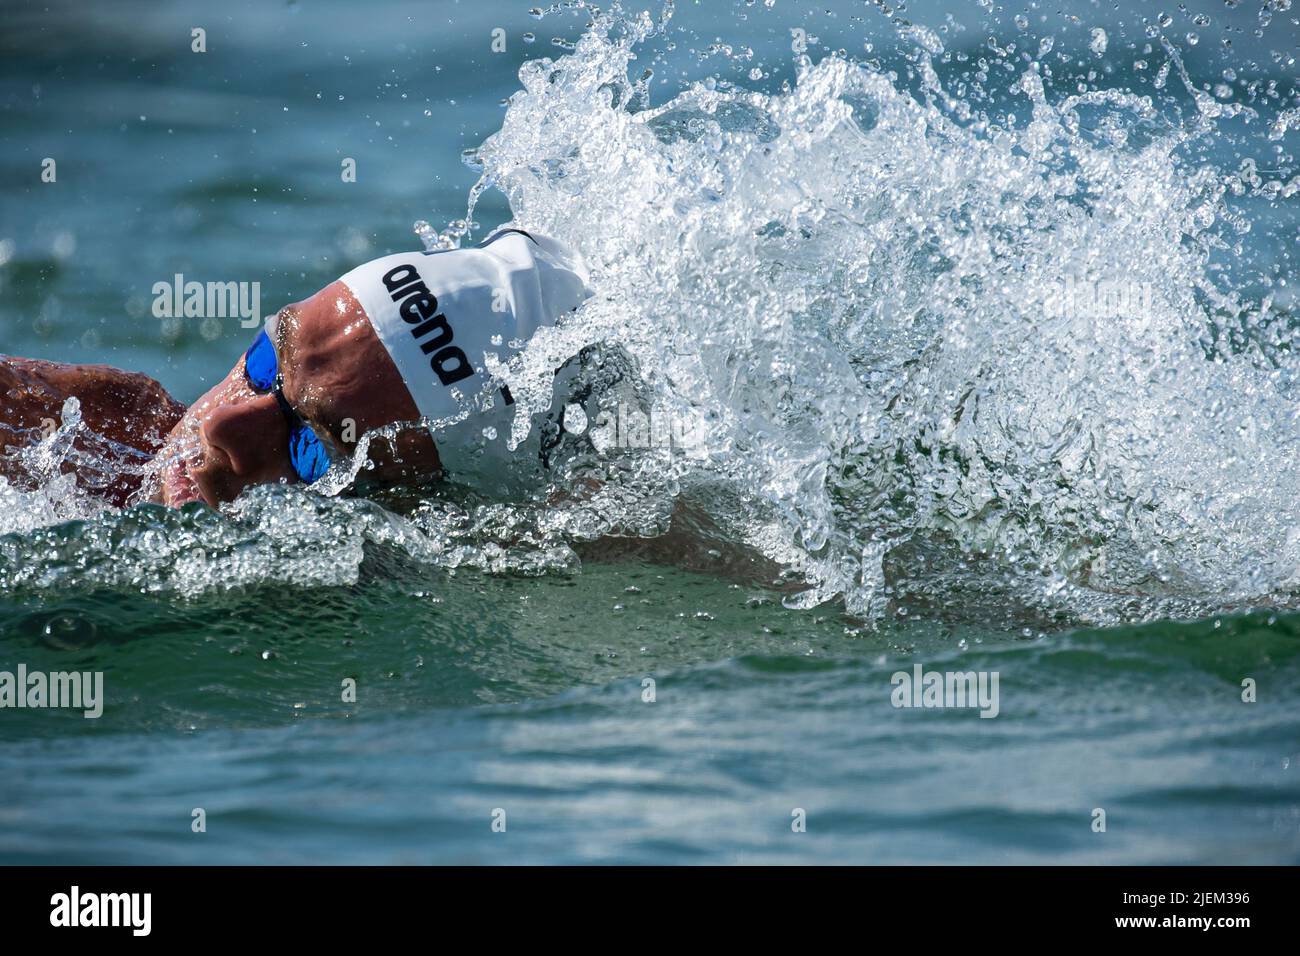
(252,436)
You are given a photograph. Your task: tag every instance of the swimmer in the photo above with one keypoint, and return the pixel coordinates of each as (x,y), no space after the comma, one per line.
(396,340)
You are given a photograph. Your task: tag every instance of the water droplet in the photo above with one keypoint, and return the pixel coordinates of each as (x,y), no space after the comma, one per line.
(575,419)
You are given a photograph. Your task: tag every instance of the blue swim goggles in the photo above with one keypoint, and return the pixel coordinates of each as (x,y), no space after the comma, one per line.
(307,450)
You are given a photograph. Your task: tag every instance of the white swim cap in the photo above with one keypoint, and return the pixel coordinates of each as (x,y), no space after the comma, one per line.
(438,313)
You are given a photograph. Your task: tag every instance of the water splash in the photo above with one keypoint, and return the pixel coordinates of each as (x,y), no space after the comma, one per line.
(852,288)
(45,489)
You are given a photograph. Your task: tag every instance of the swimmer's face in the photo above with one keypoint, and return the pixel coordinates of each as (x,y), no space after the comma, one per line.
(339,379)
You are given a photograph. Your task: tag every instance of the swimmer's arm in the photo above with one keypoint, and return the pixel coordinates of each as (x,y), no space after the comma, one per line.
(126,407)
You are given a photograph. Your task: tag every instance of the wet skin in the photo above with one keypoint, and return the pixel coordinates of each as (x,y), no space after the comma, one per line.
(127,408)
(336,375)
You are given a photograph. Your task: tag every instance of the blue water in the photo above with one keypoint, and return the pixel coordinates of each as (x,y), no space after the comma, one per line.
(516,683)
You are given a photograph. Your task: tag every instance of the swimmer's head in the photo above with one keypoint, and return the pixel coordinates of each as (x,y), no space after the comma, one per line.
(399,339)
(335,375)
